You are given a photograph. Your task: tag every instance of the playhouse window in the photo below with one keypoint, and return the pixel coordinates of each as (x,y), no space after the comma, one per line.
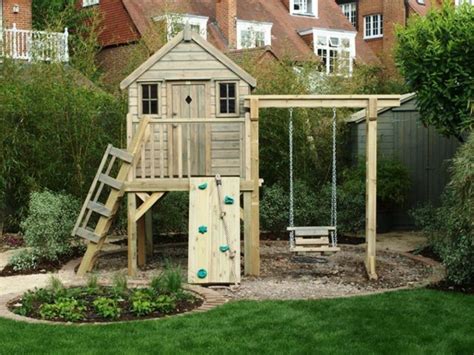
(227,98)
(149,99)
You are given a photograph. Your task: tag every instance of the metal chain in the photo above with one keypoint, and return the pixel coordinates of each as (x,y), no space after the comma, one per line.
(334,180)
(292,207)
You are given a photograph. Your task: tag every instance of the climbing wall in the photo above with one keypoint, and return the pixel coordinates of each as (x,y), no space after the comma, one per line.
(209,256)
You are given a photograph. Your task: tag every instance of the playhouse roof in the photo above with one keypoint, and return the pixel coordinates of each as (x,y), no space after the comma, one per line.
(187,36)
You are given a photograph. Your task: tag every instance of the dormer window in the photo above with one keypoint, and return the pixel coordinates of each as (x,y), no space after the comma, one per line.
(461,2)
(303,7)
(251,34)
(350,11)
(175,24)
(86,3)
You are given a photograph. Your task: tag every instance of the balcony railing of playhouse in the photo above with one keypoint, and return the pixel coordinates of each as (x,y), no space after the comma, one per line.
(181,148)
(34,45)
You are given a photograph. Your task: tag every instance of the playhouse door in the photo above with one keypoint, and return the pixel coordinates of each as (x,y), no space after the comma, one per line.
(189,100)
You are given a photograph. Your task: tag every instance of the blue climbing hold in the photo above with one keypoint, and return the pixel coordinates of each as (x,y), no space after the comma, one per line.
(203,229)
(224,248)
(229,200)
(203,186)
(202,274)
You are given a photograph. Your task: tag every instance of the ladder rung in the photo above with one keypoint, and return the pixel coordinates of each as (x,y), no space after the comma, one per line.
(110,181)
(99,208)
(87,234)
(323,249)
(122,154)
(312,241)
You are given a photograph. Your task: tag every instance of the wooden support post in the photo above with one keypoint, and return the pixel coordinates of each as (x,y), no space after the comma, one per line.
(252,242)
(132,235)
(149,233)
(141,242)
(371,188)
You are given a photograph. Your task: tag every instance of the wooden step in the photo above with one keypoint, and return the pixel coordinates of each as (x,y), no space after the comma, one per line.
(87,234)
(100,209)
(110,181)
(322,249)
(311,231)
(121,154)
(312,241)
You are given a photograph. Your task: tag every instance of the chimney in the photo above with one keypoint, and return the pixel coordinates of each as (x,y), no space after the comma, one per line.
(226,17)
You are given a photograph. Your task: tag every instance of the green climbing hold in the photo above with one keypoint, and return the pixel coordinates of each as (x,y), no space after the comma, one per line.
(203,186)
(224,248)
(203,229)
(202,274)
(229,200)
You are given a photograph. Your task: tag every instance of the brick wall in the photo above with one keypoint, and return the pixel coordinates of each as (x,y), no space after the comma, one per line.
(22,19)
(226,15)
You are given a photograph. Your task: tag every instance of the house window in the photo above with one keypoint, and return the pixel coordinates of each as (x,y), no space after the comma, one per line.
(350,11)
(227,98)
(303,7)
(86,3)
(462,2)
(149,99)
(175,24)
(253,34)
(336,50)
(373,26)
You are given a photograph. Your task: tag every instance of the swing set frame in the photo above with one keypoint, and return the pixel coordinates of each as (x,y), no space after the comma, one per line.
(372,103)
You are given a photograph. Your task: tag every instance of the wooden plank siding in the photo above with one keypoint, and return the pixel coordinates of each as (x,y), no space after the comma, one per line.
(189,64)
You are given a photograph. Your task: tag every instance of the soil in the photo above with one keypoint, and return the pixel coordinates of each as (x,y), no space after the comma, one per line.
(91,316)
(44,266)
(285,276)
(427,252)
(450,287)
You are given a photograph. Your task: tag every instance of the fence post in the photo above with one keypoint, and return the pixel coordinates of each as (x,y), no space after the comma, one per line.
(14,41)
(66,45)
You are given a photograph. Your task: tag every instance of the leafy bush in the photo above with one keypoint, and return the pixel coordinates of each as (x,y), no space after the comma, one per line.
(47,229)
(164,304)
(107,307)
(142,303)
(24,260)
(67,309)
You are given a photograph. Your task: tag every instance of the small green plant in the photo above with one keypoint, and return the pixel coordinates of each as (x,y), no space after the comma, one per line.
(165,304)
(107,307)
(142,303)
(63,308)
(92,283)
(55,285)
(24,260)
(119,284)
(170,281)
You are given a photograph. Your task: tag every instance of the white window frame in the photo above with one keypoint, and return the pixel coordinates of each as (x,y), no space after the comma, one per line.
(313,11)
(140,98)
(183,19)
(254,27)
(218,99)
(87,3)
(349,36)
(349,9)
(375,18)
(460,2)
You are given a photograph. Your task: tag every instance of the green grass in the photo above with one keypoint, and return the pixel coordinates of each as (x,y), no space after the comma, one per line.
(419,321)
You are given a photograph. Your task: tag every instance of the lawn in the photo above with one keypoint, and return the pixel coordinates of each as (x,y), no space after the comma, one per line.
(418,321)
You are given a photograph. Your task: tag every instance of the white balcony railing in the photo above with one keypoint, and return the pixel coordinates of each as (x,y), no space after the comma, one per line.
(34,45)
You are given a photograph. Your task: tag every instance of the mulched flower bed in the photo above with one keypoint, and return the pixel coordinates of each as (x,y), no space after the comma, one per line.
(44,266)
(11,241)
(450,287)
(102,304)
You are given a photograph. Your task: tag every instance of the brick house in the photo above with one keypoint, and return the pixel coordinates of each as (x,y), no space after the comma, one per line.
(300,30)
(375,20)
(15,12)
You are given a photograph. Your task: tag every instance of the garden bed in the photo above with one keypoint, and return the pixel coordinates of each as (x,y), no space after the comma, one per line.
(96,304)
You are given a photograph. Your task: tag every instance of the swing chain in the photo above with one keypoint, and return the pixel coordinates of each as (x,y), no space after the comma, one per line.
(334,180)
(292,210)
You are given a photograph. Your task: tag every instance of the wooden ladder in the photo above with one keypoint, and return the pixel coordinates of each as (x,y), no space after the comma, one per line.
(313,240)
(127,159)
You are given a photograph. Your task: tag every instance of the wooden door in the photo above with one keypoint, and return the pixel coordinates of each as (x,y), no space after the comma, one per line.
(190,100)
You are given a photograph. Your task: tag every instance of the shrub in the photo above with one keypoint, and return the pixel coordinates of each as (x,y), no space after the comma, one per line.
(107,307)
(142,303)
(165,304)
(24,260)
(67,309)
(47,229)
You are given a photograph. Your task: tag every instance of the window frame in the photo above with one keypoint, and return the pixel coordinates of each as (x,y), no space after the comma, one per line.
(254,27)
(218,99)
(344,7)
(87,3)
(182,19)
(380,20)
(140,98)
(312,13)
(462,2)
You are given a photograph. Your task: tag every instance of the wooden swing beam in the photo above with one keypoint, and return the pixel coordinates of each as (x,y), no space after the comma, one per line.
(372,103)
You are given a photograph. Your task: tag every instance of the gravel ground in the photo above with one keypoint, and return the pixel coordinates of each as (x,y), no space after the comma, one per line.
(284,276)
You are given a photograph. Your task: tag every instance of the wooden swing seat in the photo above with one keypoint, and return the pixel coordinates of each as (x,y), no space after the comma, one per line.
(313,240)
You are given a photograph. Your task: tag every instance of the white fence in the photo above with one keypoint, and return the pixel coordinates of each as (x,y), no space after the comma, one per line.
(34,45)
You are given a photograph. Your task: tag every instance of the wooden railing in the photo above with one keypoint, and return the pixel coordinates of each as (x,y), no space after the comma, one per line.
(34,45)
(178,148)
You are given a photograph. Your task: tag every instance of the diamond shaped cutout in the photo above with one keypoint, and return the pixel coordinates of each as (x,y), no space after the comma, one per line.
(189,100)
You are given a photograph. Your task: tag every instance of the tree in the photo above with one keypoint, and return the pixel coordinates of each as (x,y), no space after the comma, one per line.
(436,55)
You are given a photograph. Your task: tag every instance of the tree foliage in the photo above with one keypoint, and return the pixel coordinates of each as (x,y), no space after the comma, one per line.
(436,55)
